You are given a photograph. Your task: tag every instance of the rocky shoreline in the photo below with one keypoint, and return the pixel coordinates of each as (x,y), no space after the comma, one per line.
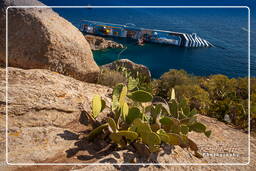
(50,88)
(100,43)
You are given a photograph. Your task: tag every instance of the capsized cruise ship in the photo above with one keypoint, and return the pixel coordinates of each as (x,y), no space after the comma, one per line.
(143,35)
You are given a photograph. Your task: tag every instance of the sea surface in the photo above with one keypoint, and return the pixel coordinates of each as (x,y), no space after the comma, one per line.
(226,28)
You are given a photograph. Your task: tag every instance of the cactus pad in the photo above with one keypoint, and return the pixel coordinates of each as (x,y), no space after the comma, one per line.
(125,110)
(133,113)
(96,131)
(112,125)
(198,127)
(174,139)
(96,106)
(123,96)
(141,96)
(115,97)
(118,136)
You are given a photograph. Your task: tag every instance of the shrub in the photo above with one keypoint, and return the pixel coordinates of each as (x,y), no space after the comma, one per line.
(197,97)
(219,87)
(173,78)
(111,78)
(230,97)
(144,124)
(217,96)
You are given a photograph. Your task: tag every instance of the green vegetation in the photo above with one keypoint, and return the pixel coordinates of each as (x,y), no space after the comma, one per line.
(122,75)
(110,78)
(216,96)
(142,122)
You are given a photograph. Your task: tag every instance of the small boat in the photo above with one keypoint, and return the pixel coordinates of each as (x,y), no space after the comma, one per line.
(140,42)
(143,35)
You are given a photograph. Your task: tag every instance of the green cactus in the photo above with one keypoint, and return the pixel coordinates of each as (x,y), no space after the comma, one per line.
(163,136)
(132,83)
(152,140)
(170,124)
(117,137)
(184,129)
(148,124)
(97,105)
(96,132)
(192,113)
(140,127)
(112,125)
(188,121)
(117,114)
(198,127)
(123,96)
(173,108)
(156,112)
(115,97)
(125,110)
(174,139)
(133,113)
(208,133)
(141,96)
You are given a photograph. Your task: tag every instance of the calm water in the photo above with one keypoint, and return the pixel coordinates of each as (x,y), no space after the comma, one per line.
(225,28)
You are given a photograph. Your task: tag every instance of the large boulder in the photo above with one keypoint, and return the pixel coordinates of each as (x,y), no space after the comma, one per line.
(46,110)
(130,66)
(38,38)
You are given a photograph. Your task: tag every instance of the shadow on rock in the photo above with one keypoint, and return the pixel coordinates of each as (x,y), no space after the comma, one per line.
(68,135)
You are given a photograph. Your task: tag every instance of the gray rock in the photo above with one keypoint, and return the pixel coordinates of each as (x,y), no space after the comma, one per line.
(41,39)
(100,43)
(130,66)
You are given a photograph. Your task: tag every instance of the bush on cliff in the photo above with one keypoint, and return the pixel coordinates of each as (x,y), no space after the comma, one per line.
(216,96)
(171,79)
(111,78)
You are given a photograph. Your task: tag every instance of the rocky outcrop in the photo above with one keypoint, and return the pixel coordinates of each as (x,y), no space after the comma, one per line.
(46,117)
(44,108)
(224,140)
(41,39)
(99,43)
(131,67)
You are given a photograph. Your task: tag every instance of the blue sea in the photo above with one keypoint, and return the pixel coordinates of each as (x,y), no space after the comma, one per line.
(226,28)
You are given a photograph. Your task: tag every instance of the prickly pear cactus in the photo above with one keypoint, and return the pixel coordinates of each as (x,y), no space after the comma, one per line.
(112,125)
(174,139)
(97,105)
(152,140)
(116,95)
(163,136)
(145,126)
(117,137)
(141,96)
(125,110)
(122,96)
(96,132)
(133,113)
(170,124)
(132,83)
(173,108)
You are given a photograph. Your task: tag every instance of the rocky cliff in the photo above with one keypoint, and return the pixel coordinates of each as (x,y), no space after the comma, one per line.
(100,43)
